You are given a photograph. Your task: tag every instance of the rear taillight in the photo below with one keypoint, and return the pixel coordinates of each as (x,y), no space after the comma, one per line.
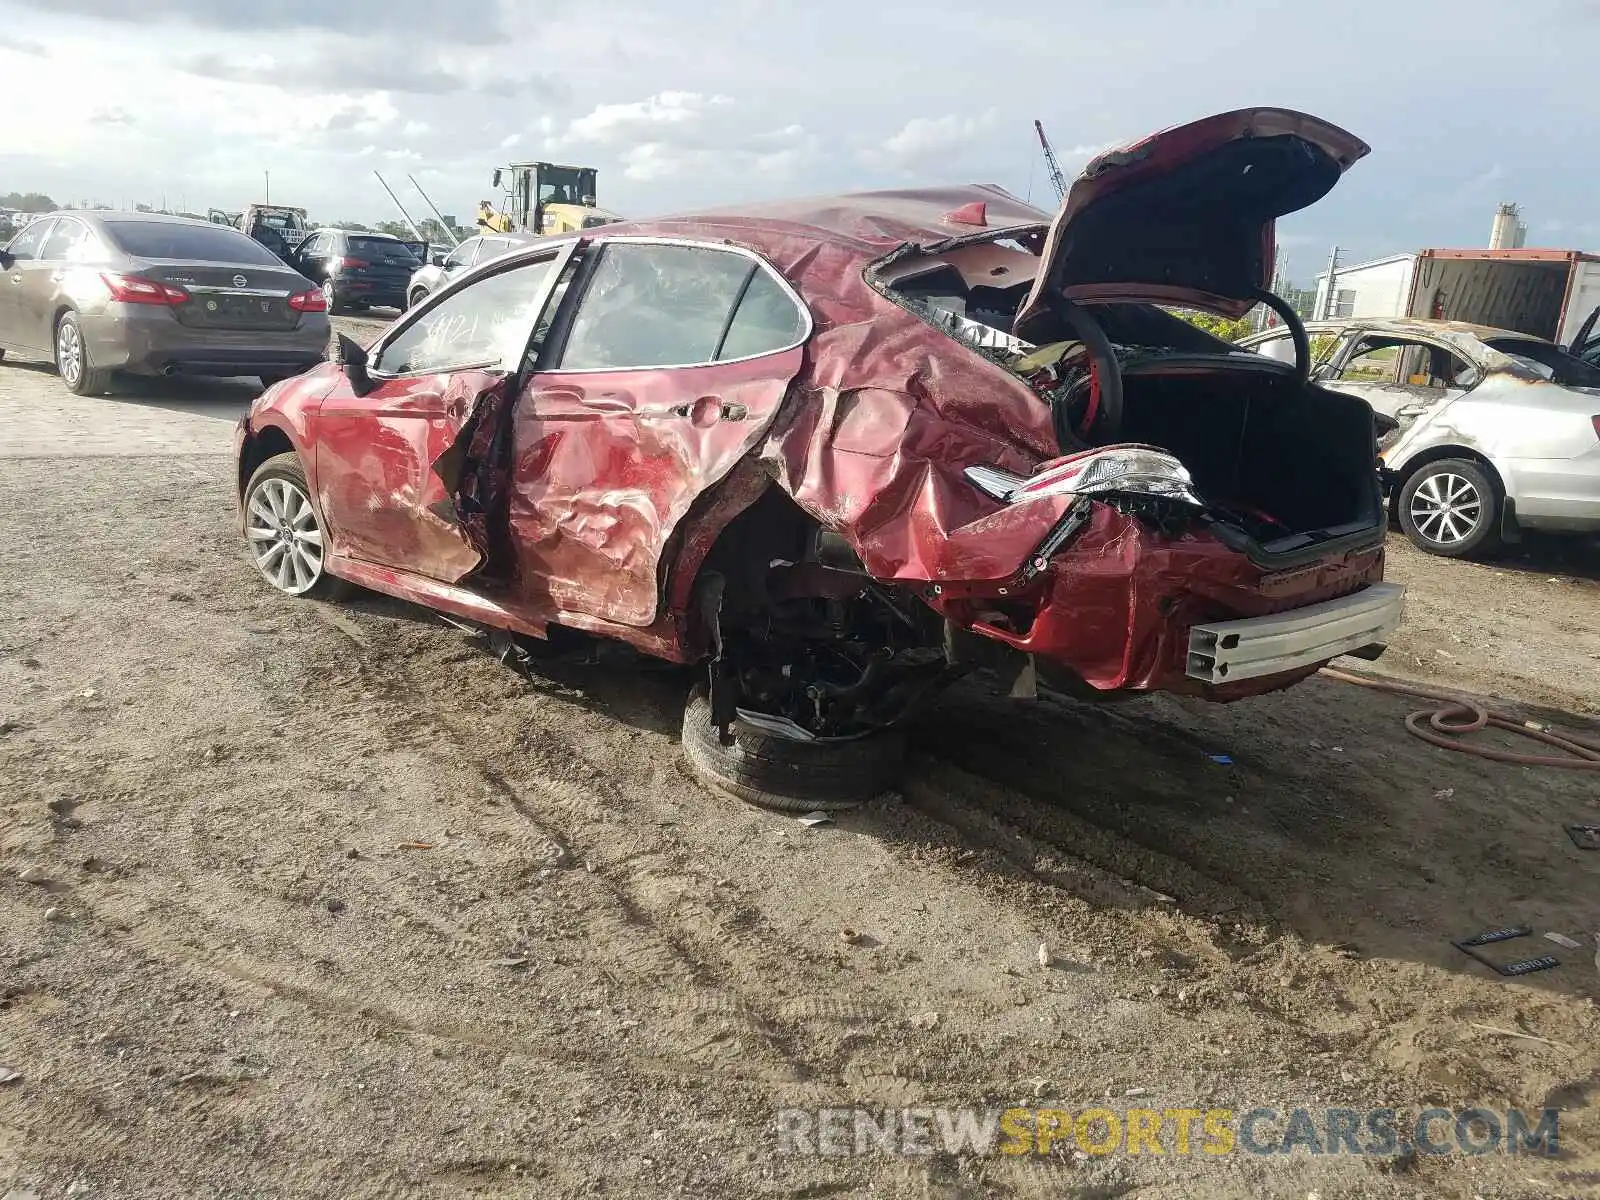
(312,301)
(130,289)
(351,263)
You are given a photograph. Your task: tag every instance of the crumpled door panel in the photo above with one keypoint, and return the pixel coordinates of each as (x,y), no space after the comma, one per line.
(605,466)
(400,476)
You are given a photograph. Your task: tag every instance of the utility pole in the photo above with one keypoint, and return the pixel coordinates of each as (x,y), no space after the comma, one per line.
(1329,302)
(420,236)
(443,224)
(267,199)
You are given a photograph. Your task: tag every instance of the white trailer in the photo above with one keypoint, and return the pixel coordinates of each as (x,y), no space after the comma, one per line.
(1546,293)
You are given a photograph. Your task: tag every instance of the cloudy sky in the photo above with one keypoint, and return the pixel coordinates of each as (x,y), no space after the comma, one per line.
(1465,102)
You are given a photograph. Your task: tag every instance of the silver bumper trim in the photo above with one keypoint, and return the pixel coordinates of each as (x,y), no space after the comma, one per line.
(1226,651)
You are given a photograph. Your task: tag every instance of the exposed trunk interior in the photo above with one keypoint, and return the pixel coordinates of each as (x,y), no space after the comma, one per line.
(1288,465)
(1285,464)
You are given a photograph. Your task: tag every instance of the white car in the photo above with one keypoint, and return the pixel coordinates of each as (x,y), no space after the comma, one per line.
(1497,430)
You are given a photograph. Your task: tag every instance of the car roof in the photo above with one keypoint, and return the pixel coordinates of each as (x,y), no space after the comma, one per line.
(102,214)
(1421,327)
(870,222)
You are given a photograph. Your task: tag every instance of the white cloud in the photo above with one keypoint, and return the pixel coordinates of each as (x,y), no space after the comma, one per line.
(510,140)
(618,124)
(415,128)
(926,141)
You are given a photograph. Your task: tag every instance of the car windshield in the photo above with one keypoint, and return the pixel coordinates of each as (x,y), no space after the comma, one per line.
(1549,361)
(201,243)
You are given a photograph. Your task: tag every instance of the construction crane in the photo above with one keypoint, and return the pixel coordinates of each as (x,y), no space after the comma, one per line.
(1056,177)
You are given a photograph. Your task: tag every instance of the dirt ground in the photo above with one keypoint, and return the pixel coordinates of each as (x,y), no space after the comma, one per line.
(305,900)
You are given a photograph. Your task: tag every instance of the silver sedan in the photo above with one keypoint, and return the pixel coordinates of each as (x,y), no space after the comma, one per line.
(1498,431)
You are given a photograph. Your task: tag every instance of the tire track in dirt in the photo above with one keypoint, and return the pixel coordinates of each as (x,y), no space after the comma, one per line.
(719,949)
(702,951)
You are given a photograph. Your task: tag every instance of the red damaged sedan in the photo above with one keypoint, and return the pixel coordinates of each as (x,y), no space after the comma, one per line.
(839,451)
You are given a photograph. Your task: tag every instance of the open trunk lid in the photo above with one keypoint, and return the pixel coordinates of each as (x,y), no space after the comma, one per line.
(1187,216)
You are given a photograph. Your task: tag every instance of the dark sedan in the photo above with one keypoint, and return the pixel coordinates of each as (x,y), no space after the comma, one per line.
(357,270)
(155,295)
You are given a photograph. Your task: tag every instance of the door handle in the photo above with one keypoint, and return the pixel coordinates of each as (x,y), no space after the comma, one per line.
(709,408)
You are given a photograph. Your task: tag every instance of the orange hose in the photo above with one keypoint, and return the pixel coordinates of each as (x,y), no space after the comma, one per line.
(1456,716)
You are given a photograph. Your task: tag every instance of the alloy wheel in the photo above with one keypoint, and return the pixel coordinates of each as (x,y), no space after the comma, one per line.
(285,539)
(69,353)
(327,293)
(1446,508)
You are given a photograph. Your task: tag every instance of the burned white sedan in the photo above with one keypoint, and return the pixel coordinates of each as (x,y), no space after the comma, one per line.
(1497,430)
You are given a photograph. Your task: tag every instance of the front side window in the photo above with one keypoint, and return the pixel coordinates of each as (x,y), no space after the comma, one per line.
(26,245)
(461,256)
(650,305)
(484,325)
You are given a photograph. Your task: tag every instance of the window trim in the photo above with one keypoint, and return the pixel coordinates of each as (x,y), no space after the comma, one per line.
(808,323)
(561,257)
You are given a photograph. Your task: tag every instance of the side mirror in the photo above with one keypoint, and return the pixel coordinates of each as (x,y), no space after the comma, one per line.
(497,178)
(5,261)
(352,359)
(1321,372)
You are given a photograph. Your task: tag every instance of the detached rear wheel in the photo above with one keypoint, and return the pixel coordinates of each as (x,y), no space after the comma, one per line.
(1451,508)
(771,771)
(281,527)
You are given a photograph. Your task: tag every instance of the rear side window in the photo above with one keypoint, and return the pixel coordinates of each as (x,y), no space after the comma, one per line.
(64,240)
(766,320)
(202,243)
(652,305)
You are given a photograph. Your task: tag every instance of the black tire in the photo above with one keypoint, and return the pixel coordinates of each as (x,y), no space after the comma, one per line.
(287,467)
(331,297)
(790,776)
(1464,488)
(82,377)
(417,296)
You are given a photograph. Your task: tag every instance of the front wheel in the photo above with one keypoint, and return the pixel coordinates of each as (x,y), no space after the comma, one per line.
(280,525)
(329,297)
(772,771)
(416,298)
(72,360)
(1451,508)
